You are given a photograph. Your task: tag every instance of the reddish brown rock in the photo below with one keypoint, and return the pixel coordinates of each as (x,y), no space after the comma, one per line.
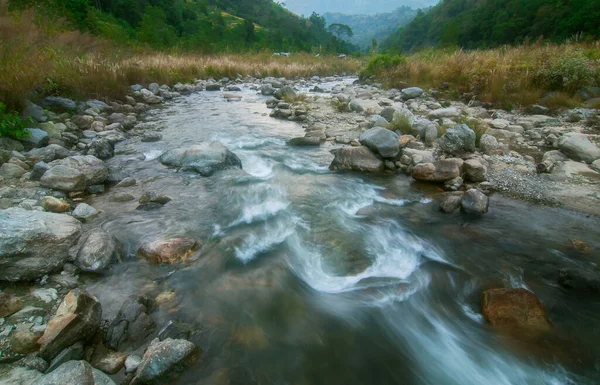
(173,250)
(514,309)
(9,305)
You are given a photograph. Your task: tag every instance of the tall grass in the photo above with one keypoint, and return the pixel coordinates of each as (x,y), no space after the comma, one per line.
(506,75)
(41,58)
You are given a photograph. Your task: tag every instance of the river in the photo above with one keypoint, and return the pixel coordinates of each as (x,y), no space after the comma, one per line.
(308,276)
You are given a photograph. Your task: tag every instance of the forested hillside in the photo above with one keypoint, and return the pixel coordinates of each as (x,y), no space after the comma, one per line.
(369,27)
(193,25)
(490,23)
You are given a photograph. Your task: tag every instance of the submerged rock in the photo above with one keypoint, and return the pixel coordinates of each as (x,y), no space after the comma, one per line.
(173,250)
(475,202)
(163,359)
(204,159)
(304,141)
(98,251)
(514,309)
(132,325)
(356,159)
(34,243)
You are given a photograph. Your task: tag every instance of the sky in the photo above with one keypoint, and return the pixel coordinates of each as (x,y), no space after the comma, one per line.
(351,7)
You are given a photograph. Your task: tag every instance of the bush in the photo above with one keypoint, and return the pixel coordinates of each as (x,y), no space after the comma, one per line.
(11,125)
(381,63)
(569,72)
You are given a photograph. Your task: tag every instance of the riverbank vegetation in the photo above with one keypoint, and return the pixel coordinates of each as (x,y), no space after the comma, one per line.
(554,74)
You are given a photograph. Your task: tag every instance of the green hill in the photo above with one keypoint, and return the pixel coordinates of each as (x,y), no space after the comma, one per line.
(491,23)
(369,27)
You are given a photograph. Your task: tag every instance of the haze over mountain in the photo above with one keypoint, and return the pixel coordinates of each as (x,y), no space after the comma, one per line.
(353,7)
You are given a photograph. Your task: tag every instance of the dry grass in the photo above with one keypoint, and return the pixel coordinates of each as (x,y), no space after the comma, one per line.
(38,59)
(506,75)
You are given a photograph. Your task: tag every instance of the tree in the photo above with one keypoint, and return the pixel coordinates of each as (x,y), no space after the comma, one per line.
(341,30)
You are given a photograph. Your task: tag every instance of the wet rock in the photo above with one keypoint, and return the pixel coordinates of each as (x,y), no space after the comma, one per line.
(98,251)
(63,178)
(127,182)
(580,281)
(132,362)
(213,87)
(286,93)
(305,141)
(175,330)
(475,170)
(514,309)
(9,305)
(18,375)
(34,243)
(36,138)
(26,313)
(153,197)
(24,341)
(107,361)
(381,141)
(73,352)
(578,147)
(69,373)
(267,90)
(77,319)
(175,250)
(132,325)
(474,202)
(92,168)
(84,212)
(458,140)
(204,159)
(451,201)
(122,197)
(356,159)
(411,93)
(439,172)
(101,378)
(149,98)
(55,205)
(151,137)
(163,359)
(95,189)
(11,171)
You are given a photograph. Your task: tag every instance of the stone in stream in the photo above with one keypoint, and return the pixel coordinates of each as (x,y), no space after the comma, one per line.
(63,178)
(175,250)
(163,359)
(94,170)
(286,93)
(77,319)
(98,251)
(305,141)
(73,352)
(514,310)
(451,201)
(34,243)
(458,140)
(55,205)
(85,212)
(439,172)
(580,281)
(153,197)
(69,373)
(132,325)
(356,159)
(475,202)
(204,159)
(382,141)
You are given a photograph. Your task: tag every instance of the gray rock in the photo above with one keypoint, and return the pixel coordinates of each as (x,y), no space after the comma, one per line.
(10,145)
(122,197)
(365,106)
(69,373)
(154,88)
(474,202)
(488,144)
(581,281)
(18,375)
(101,379)
(132,325)
(411,93)
(11,171)
(97,104)
(213,87)
(73,352)
(458,140)
(267,90)
(98,251)
(204,159)
(127,182)
(94,170)
(132,362)
(36,138)
(475,170)
(163,359)
(286,93)
(34,111)
(49,153)
(63,178)
(578,147)
(440,172)
(356,159)
(77,319)
(62,104)
(450,112)
(101,149)
(304,141)
(175,330)
(34,243)
(595,165)
(84,212)
(381,141)
(149,98)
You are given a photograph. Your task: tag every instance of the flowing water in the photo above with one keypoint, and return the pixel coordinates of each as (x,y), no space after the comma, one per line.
(313,277)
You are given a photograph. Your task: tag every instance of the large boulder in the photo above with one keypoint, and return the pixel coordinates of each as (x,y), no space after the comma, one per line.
(77,319)
(382,141)
(356,159)
(132,325)
(69,373)
(514,309)
(411,93)
(204,159)
(63,178)
(578,147)
(438,172)
(34,243)
(163,359)
(98,251)
(475,202)
(304,141)
(174,250)
(458,140)
(94,170)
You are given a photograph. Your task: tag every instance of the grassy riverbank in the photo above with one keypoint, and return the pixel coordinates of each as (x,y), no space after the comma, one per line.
(519,75)
(49,59)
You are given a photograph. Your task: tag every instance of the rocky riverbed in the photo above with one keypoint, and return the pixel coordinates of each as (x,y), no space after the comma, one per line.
(105,230)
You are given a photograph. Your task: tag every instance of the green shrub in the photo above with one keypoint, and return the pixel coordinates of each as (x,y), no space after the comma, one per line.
(566,73)
(381,63)
(11,125)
